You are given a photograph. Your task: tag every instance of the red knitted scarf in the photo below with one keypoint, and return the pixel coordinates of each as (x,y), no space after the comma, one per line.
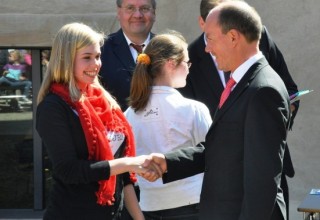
(97,118)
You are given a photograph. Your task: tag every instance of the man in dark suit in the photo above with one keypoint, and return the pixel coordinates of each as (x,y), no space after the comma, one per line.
(136,18)
(244,148)
(205,82)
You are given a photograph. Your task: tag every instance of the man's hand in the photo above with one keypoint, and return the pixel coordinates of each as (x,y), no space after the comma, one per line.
(293,108)
(156,165)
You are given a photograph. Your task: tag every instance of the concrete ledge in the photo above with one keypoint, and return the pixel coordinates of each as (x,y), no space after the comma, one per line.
(39,29)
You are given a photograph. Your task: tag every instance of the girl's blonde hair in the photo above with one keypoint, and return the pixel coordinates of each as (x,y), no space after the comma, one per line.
(69,39)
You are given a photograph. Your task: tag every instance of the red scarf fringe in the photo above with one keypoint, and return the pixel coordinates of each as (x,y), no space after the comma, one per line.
(97,118)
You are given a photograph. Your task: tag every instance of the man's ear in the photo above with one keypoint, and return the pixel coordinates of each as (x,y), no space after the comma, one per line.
(201,23)
(234,36)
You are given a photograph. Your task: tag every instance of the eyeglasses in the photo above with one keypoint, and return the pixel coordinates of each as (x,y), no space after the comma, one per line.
(188,63)
(131,9)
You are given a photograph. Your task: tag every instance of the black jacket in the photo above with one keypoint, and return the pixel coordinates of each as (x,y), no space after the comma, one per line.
(75,178)
(243,151)
(204,83)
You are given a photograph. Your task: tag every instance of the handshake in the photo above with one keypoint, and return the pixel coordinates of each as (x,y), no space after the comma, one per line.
(151,167)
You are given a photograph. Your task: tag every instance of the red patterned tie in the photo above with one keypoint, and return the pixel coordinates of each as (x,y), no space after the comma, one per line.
(226,92)
(137,47)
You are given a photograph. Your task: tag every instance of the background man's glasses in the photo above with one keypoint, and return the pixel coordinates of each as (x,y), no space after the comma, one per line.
(131,9)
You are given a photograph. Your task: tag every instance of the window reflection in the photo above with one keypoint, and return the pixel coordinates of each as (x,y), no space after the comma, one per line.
(16,145)
(15,80)
(45,57)
(17,170)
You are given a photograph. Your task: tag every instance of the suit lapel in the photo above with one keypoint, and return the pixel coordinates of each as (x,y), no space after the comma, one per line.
(122,51)
(240,87)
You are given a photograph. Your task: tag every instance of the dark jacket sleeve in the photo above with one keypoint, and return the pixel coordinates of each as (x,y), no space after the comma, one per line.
(184,163)
(263,152)
(62,135)
(277,62)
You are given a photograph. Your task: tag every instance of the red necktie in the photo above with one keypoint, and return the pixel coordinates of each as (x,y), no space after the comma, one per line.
(137,47)
(226,92)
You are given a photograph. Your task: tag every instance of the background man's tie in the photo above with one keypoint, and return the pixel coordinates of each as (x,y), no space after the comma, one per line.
(226,92)
(137,47)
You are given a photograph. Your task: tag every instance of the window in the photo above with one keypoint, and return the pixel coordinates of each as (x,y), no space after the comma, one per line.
(24,169)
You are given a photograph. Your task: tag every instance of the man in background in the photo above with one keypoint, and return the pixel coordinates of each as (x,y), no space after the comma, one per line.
(119,53)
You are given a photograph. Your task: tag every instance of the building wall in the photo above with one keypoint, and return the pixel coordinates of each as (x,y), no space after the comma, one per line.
(294,25)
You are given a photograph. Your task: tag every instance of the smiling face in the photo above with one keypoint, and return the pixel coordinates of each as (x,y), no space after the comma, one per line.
(218,43)
(136,17)
(87,65)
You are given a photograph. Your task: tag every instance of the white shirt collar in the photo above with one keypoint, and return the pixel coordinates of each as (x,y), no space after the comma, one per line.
(156,89)
(129,41)
(134,53)
(244,67)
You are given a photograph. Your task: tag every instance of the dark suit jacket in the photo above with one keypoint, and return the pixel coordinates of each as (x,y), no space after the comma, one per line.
(244,148)
(117,67)
(204,83)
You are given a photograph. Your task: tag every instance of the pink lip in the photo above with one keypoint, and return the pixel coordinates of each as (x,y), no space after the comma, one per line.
(137,21)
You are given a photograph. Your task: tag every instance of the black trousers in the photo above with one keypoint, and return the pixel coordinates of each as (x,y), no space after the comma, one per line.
(189,212)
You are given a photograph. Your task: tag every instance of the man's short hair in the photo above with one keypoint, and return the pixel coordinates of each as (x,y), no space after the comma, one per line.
(242,17)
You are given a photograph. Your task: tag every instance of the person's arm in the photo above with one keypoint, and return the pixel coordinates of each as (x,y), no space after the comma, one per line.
(131,203)
(131,165)
(264,142)
(276,60)
(184,163)
(175,165)
(62,145)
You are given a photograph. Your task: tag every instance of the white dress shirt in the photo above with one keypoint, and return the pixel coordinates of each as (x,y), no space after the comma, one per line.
(169,122)
(244,67)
